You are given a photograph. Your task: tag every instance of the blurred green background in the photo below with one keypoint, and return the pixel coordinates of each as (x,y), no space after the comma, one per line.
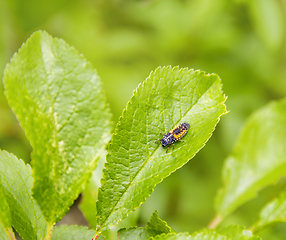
(243,41)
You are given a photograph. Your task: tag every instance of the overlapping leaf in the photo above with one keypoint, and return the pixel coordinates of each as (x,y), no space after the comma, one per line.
(154,227)
(273,213)
(57,98)
(73,233)
(259,158)
(16,180)
(135,164)
(157,226)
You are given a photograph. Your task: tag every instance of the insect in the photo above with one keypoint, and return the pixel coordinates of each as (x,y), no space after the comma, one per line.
(174,135)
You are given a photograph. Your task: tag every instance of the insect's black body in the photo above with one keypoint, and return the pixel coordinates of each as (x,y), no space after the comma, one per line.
(174,135)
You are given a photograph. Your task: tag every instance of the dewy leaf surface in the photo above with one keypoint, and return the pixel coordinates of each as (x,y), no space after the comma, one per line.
(135,163)
(17,181)
(57,97)
(273,213)
(258,159)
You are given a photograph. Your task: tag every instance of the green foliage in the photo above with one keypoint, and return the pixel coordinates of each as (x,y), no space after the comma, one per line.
(136,233)
(156,226)
(17,181)
(257,160)
(272,213)
(72,233)
(234,232)
(57,98)
(135,164)
(267,17)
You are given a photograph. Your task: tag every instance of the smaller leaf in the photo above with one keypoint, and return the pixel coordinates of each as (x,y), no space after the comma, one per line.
(134,233)
(257,160)
(234,232)
(16,180)
(73,233)
(156,226)
(273,213)
(186,236)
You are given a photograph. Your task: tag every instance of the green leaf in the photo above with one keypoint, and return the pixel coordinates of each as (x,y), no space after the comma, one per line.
(273,213)
(58,100)
(135,163)
(73,233)
(157,226)
(258,159)
(231,232)
(186,236)
(154,227)
(234,232)
(135,233)
(16,180)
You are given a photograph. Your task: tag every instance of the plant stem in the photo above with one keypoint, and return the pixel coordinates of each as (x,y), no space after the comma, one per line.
(49,232)
(11,234)
(215,222)
(96,235)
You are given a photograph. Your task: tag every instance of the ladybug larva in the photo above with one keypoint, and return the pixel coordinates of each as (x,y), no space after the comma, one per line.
(174,135)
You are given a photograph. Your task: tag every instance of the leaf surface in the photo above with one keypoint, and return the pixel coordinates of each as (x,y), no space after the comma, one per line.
(273,213)
(73,233)
(135,163)
(16,180)
(135,233)
(5,217)
(258,159)
(157,226)
(234,232)
(186,236)
(57,97)
(154,227)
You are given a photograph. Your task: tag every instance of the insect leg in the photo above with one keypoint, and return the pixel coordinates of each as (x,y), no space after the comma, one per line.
(158,140)
(173,145)
(167,149)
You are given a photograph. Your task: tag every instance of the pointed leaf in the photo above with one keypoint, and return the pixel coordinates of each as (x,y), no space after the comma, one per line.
(259,158)
(154,227)
(16,180)
(135,164)
(157,226)
(273,213)
(73,233)
(57,98)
